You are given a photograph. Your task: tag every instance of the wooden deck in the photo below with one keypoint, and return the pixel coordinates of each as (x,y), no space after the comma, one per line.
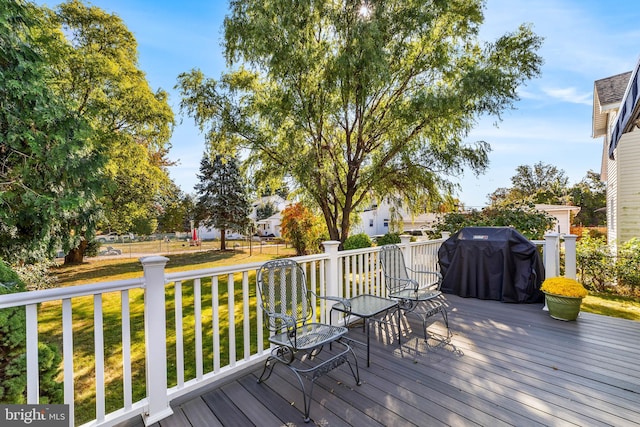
(509,365)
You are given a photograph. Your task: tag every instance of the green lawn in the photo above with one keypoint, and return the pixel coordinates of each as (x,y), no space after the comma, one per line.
(612,305)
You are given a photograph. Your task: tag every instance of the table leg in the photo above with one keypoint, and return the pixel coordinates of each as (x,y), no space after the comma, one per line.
(368,328)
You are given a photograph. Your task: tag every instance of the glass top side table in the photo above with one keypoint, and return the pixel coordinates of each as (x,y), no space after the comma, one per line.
(366,306)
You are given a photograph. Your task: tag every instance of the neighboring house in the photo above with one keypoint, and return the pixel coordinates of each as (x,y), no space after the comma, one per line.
(269,226)
(375,220)
(562,214)
(264,227)
(616,117)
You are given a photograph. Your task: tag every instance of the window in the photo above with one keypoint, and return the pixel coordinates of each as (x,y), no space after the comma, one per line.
(371,222)
(385,224)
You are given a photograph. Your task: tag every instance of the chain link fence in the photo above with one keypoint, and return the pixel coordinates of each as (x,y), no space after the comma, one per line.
(172,243)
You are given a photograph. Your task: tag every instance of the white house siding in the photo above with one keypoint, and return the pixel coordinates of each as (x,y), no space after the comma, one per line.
(612,191)
(628,187)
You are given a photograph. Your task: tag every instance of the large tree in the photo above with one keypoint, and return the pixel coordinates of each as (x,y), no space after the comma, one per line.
(591,195)
(222,197)
(540,183)
(95,60)
(50,162)
(353,100)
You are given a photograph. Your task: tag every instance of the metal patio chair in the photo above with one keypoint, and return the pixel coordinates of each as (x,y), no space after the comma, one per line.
(298,339)
(420,298)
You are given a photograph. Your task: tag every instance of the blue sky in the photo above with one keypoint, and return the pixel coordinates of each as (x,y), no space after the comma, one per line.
(585,40)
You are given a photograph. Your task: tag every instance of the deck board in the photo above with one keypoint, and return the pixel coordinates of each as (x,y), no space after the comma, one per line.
(508,365)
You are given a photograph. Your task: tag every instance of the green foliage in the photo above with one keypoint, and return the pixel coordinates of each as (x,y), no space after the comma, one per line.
(265,211)
(95,60)
(37,276)
(627,263)
(595,262)
(351,108)
(357,241)
(144,226)
(528,221)
(13,368)
(49,163)
(388,239)
(176,210)
(540,183)
(222,201)
(591,195)
(301,228)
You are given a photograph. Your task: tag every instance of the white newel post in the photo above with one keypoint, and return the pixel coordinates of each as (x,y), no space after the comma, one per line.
(570,263)
(551,254)
(332,277)
(155,336)
(445,235)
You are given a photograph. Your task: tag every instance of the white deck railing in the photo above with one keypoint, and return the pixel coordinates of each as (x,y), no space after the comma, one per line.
(194,330)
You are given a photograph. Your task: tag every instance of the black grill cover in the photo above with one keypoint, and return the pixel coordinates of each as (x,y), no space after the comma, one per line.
(495,263)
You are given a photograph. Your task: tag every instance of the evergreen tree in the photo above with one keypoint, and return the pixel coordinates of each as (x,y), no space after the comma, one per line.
(13,363)
(222,198)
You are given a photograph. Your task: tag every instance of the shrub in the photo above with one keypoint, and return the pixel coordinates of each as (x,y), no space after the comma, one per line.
(627,263)
(37,276)
(595,262)
(388,239)
(357,241)
(301,228)
(530,222)
(13,363)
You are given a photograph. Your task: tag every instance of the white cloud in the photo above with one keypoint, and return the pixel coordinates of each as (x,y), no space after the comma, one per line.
(569,94)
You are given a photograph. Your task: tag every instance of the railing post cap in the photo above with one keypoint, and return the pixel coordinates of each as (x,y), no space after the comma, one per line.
(328,244)
(153,260)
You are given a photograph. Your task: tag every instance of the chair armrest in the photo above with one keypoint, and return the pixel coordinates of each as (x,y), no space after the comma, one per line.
(344,301)
(435,285)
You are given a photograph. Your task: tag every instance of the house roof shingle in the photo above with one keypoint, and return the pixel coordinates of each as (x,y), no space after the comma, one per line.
(611,89)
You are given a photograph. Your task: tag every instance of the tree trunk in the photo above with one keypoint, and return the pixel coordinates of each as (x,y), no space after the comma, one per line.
(223,240)
(76,255)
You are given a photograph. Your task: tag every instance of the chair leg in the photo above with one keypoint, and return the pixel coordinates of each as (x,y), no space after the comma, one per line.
(268,365)
(356,372)
(441,341)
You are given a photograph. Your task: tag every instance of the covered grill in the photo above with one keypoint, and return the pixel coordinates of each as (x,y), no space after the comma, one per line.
(496,263)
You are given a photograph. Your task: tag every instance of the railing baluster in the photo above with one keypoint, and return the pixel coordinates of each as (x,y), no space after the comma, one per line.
(232,319)
(126,349)
(98,337)
(197,314)
(33,380)
(179,333)
(246,325)
(67,353)
(215,309)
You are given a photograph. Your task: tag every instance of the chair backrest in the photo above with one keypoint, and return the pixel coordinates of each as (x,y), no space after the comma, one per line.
(396,277)
(283,294)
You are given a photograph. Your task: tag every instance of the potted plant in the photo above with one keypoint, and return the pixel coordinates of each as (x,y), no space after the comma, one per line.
(564,297)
